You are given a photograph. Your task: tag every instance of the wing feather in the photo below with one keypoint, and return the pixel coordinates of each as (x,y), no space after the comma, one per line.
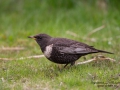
(73,47)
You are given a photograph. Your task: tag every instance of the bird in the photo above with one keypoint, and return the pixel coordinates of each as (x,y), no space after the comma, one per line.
(63,50)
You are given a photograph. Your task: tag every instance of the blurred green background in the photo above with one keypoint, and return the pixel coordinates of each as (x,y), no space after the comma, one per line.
(73,19)
(20,18)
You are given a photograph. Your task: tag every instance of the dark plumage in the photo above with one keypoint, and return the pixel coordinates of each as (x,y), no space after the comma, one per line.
(62,50)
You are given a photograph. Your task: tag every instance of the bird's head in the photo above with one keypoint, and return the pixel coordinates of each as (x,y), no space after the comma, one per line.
(41,39)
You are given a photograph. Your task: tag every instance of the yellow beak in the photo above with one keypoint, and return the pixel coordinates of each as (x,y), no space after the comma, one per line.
(32,37)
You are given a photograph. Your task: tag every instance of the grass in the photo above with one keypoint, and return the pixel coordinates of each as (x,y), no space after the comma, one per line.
(23,18)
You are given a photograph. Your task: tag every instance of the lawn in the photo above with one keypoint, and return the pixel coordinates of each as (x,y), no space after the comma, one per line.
(69,19)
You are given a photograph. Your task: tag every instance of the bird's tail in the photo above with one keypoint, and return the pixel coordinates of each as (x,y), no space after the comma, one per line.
(105,51)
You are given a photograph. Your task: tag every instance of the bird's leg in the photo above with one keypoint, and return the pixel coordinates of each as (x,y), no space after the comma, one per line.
(66,65)
(72,63)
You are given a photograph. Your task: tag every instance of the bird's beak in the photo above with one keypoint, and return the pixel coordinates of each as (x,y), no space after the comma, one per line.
(32,37)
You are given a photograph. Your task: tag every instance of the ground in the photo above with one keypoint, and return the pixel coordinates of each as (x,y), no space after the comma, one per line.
(72,20)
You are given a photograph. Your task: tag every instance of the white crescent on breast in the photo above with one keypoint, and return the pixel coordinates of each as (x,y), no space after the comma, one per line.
(48,50)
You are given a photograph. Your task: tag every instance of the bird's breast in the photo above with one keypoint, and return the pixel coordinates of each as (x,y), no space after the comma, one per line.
(48,50)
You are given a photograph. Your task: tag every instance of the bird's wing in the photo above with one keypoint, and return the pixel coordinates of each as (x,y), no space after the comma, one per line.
(73,47)
(78,50)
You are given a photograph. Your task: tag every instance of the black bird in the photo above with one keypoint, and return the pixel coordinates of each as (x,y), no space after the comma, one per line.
(62,50)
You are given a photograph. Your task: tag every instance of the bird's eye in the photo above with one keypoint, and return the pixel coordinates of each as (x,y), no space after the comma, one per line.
(40,38)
